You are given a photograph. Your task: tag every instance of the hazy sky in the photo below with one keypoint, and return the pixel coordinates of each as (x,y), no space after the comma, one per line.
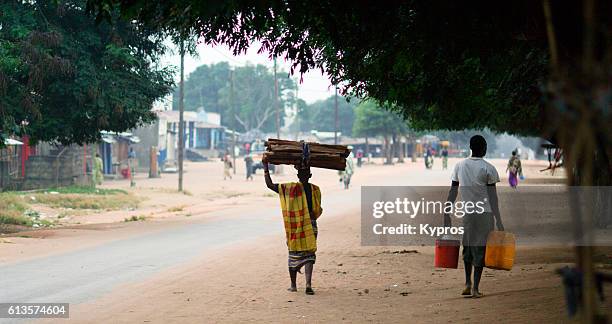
(314,86)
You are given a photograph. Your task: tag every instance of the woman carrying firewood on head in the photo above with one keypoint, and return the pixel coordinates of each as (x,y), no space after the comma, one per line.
(301,206)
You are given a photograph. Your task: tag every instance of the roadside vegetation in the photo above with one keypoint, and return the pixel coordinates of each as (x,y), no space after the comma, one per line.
(19,210)
(85,198)
(135,218)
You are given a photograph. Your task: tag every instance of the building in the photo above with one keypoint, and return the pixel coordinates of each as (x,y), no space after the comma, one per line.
(204,134)
(114,149)
(44,165)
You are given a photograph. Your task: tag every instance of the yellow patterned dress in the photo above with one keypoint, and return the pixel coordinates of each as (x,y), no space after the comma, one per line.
(301,206)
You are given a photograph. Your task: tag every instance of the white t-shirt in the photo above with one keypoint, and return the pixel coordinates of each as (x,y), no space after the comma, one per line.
(473,175)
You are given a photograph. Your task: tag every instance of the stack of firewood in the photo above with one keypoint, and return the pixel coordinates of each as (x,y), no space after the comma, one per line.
(318,155)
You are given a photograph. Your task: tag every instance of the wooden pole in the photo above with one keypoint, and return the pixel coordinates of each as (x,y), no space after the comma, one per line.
(276,102)
(181,144)
(234,131)
(297,110)
(153,173)
(278,169)
(234,151)
(336,117)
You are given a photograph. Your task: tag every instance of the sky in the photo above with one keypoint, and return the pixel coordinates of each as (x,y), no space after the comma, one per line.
(315,86)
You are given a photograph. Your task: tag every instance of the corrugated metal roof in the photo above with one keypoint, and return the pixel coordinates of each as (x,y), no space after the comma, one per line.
(10,141)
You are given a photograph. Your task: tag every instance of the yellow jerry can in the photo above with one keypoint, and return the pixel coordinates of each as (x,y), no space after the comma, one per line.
(500,252)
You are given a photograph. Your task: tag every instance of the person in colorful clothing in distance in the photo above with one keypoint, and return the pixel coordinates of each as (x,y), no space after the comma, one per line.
(359,158)
(301,207)
(514,169)
(98,165)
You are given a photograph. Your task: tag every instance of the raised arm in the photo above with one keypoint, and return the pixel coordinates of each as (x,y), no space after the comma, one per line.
(492,191)
(273,186)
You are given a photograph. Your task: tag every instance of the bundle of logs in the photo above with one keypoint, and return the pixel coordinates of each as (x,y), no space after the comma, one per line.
(306,154)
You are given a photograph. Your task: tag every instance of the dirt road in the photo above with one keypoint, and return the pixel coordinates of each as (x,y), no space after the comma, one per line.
(222,258)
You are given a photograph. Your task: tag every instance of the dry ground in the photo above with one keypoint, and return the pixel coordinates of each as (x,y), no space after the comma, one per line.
(245,282)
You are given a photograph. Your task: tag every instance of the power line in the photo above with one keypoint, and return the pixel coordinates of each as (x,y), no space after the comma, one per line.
(227,57)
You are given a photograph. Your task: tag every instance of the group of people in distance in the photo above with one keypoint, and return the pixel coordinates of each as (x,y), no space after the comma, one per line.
(429,155)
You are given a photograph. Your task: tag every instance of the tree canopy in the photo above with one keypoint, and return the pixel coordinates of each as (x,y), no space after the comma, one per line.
(320,115)
(443,64)
(371,120)
(64,78)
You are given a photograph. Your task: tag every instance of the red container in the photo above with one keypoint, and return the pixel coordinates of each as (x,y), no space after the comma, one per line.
(446,254)
(125,173)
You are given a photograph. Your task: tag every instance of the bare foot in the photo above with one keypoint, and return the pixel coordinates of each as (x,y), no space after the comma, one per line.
(476,294)
(309,291)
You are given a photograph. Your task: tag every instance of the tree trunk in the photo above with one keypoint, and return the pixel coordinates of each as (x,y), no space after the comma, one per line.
(393,145)
(387,151)
(367,149)
(413,153)
(402,150)
(603,178)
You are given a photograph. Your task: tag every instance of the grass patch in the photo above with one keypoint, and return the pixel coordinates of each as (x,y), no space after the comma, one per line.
(105,201)
(176,209)
(135,219)
(12,209)
(87,190)
(16,207)
(15,220)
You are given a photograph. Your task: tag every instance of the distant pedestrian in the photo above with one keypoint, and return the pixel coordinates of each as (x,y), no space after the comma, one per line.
(359,157)
(131,153)
(514,169)
(345,176)
(227,166)
(131,166)
(444,159)
(429,157)
(248,161)
(98,165)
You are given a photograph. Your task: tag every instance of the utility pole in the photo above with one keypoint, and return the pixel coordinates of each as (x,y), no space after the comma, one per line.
(181,144)
(276,101)
(297,111)
(232,106)
(336,120)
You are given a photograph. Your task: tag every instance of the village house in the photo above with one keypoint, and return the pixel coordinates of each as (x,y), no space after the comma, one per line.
(204,135)
(24,166)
